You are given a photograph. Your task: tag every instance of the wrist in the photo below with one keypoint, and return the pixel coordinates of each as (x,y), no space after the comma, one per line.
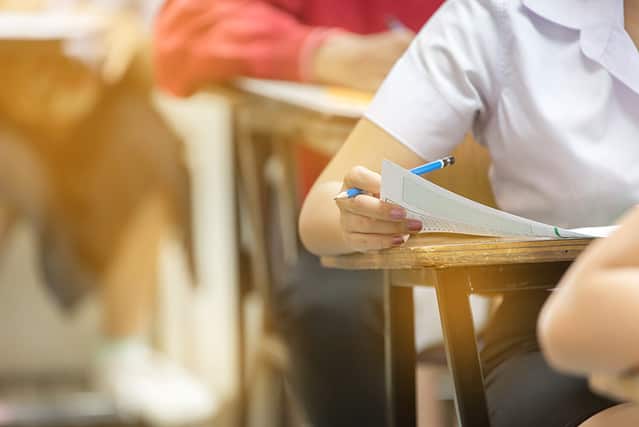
(322,54)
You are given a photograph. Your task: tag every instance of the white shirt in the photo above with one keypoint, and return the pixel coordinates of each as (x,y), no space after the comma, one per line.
(551,87)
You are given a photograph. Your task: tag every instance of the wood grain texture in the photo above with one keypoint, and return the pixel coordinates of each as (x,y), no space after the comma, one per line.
(435,250)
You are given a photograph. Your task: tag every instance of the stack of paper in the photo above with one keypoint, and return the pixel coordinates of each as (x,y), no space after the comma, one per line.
(445,212)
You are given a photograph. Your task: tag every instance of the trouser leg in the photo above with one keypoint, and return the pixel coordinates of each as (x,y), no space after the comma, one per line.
(332,323)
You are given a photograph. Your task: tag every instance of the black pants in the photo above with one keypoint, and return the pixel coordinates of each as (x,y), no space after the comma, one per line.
(333,323)
(522,390)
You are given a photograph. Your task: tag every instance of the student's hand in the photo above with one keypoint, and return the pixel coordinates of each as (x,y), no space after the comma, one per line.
(358,61)
(369,223)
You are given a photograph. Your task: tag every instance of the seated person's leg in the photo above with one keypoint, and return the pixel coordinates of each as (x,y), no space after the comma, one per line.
(522,389)
(624,415)
(332,322)
(106,184)
(129,281)
(121,189)
(140,380)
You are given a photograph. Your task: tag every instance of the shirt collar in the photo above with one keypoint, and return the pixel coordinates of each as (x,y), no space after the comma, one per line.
(603,38)
(579,14)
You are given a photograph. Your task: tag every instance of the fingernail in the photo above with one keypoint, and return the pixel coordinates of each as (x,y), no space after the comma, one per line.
(398,213)
(398,241)
(414,225)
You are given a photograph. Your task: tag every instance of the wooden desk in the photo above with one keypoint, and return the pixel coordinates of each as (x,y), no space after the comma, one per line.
(456,266)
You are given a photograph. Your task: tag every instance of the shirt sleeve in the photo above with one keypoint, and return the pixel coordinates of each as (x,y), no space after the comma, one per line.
(199,42)
(448,80)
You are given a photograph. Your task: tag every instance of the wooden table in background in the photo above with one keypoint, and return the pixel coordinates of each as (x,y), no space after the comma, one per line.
(273,127)
(456,266)
(263,121)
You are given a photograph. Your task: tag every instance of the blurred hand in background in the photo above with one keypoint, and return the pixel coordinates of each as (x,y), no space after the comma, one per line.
(358,61)
(345,43)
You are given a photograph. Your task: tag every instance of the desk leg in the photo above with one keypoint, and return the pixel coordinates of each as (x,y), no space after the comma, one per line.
(461,348)
(250,172)
(400,355)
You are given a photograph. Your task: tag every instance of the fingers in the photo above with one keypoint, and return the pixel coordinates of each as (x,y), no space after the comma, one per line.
(364,233)
(361,242)
(372,207)
(369,223)
(353,223)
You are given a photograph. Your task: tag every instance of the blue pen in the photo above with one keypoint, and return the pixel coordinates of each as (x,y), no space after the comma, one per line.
(419,170)
(394,24)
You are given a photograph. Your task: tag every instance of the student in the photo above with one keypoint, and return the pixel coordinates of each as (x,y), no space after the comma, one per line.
(331,320)
(100,177)
(589,324)
(552,89)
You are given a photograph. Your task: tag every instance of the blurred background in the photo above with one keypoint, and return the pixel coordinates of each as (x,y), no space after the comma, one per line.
(106,318)
(153,158)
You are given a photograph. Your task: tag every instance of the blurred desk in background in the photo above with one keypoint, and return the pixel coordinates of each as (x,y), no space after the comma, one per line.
(327,100)
(281,115)
(272,120)
(457,266)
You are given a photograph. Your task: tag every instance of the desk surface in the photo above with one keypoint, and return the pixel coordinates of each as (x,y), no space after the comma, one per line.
(325,100)
(440,251)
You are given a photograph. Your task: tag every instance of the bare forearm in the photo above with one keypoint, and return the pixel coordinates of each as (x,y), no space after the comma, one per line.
(590,324)
(320,221)
(327,230)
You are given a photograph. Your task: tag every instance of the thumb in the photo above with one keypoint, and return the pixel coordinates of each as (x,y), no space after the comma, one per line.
(364,179)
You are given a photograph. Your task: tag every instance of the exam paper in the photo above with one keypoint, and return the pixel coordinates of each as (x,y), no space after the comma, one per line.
(443,211)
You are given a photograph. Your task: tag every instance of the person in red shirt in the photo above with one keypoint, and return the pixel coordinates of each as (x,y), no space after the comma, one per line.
(340,42)
(332,321)
(344,43)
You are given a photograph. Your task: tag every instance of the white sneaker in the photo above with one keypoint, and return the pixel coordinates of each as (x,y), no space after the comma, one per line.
(148,385)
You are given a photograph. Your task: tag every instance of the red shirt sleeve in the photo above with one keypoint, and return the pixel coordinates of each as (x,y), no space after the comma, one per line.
(198,42)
